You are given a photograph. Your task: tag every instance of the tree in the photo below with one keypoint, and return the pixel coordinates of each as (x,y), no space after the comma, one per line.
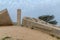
(48,18)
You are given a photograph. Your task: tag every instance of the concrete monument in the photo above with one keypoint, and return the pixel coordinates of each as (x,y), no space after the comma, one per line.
(5,18)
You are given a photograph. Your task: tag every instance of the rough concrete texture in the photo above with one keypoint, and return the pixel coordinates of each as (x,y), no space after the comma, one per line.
(22,33)
(39,24)
(19,17)
(5,18)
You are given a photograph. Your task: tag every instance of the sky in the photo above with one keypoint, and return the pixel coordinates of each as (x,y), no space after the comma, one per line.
(32,8)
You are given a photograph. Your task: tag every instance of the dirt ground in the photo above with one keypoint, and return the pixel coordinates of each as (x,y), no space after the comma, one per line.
(22,33)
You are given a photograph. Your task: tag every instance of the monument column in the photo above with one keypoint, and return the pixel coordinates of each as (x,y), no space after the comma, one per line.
(19,17)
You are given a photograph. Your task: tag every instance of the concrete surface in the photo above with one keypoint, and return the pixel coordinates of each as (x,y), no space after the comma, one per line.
(23,33)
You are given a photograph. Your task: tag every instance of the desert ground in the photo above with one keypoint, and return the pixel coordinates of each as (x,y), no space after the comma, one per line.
(23,33)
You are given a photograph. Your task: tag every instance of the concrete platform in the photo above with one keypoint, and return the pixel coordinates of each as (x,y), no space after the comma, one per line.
(23,33)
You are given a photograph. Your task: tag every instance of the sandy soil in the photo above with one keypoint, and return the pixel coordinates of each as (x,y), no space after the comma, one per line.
(23,33)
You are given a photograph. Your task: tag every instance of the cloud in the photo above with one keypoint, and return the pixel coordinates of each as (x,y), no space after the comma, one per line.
(33,8)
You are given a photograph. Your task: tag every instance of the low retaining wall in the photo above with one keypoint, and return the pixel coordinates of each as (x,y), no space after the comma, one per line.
(39,24)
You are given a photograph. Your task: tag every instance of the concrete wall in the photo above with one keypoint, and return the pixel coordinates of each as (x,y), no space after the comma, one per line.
(39,24)
(5,18)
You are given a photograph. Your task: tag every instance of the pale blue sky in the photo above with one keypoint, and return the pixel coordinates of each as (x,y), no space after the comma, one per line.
(32,8)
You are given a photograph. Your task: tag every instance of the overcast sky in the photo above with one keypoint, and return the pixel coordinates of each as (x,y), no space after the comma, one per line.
(32,8)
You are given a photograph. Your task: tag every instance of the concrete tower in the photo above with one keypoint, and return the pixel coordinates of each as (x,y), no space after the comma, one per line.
(18,17)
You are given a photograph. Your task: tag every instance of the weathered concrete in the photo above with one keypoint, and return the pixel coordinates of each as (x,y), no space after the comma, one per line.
(23,33)
(39,24)
(5,18)
(19,17)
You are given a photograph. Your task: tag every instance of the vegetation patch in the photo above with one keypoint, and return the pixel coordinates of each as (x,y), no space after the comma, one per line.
(5,38)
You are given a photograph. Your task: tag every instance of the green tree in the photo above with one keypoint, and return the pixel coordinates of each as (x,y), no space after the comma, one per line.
(48,18)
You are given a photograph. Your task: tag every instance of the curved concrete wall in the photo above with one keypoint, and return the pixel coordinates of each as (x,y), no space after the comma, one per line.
(39,24)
